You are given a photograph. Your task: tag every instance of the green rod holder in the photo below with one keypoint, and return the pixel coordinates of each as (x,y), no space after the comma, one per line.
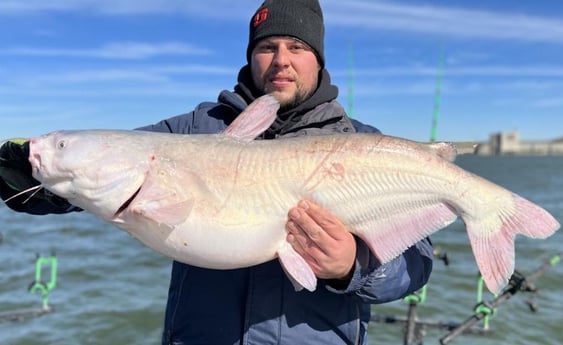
(44,288)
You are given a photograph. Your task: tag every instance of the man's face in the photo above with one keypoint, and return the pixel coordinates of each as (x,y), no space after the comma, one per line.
(286,68)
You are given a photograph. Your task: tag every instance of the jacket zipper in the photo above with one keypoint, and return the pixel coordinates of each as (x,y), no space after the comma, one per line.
(358,323)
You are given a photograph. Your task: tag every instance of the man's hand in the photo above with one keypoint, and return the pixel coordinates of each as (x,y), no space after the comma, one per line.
(15,171)
(16,177)
(322,240)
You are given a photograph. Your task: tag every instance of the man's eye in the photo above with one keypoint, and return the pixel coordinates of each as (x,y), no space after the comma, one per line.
(297,47)
(266,48)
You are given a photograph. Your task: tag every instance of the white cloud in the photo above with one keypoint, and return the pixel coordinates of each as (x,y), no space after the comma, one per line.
(513,71)
(508,71)
(213,8)
(145,75)
(197,69)
(115,50)
(549,102)
(447,21)
(95,76)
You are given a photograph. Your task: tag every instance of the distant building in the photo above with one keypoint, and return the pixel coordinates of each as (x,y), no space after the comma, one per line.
(509,143)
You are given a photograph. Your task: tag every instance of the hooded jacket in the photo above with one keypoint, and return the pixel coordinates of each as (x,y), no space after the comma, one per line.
(258,305)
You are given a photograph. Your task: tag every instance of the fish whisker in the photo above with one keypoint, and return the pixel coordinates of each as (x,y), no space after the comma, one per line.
(34,189)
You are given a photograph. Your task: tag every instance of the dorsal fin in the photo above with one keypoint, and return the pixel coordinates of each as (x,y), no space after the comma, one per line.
(446,150)
(255,119)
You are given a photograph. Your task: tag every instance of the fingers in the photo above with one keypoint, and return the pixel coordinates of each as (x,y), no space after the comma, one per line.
(302,242)
(317,221)
(321,239)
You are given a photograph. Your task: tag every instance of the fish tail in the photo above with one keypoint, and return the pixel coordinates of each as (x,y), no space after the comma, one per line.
(492,238)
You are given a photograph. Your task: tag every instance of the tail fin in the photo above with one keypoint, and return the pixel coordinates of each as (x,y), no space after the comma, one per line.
(492,238)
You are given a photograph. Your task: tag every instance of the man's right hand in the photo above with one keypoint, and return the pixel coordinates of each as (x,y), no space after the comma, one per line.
(15,177)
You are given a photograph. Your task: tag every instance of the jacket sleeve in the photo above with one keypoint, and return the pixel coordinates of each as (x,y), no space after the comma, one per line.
(373,282)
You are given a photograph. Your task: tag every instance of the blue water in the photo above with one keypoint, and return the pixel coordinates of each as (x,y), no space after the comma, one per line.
(112,290)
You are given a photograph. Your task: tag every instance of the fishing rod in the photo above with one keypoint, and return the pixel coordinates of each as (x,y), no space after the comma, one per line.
(415,328)
(518,282)
(413,333)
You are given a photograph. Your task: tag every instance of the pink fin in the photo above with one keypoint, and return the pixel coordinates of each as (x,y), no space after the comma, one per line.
(169,215)
(494,248)
(388,238)
(161,205)
(297,269)
(255,119)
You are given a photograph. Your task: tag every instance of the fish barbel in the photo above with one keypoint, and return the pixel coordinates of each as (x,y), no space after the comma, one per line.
(220,201)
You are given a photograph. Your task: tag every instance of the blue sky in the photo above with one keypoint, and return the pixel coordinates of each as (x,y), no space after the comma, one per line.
(79,64)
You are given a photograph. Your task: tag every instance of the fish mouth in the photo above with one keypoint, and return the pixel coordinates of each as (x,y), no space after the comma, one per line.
(34,156)
(127,202)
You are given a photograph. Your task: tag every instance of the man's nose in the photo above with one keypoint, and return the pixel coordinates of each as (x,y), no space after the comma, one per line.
(282,57)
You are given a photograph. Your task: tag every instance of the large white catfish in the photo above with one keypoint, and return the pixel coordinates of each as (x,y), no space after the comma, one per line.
(221,201)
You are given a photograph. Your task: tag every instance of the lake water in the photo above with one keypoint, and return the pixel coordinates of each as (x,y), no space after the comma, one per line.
(112,290)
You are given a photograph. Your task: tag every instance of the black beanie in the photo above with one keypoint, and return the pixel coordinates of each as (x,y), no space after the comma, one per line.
(302,19)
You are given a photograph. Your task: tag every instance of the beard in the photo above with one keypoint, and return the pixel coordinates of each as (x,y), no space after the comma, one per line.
(296,99)
(287,100)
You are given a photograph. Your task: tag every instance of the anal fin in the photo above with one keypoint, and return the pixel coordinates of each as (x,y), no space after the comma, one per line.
(391,236)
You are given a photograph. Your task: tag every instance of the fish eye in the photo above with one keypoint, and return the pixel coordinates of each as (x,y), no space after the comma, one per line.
(61,144)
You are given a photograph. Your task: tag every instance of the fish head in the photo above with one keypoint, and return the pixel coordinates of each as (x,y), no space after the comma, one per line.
(99,171)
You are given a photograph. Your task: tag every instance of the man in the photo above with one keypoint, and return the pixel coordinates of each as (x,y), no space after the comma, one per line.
(258,305)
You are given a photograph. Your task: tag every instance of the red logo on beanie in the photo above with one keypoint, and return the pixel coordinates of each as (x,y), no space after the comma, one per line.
(260,17)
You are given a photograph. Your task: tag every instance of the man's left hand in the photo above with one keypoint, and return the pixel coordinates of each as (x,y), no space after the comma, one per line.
(322,240)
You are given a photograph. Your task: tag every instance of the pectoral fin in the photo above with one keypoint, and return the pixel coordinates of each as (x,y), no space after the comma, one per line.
(169,215)
(160,210)
(162,202)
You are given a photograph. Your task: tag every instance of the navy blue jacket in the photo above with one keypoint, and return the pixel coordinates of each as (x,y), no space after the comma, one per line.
(258,305)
